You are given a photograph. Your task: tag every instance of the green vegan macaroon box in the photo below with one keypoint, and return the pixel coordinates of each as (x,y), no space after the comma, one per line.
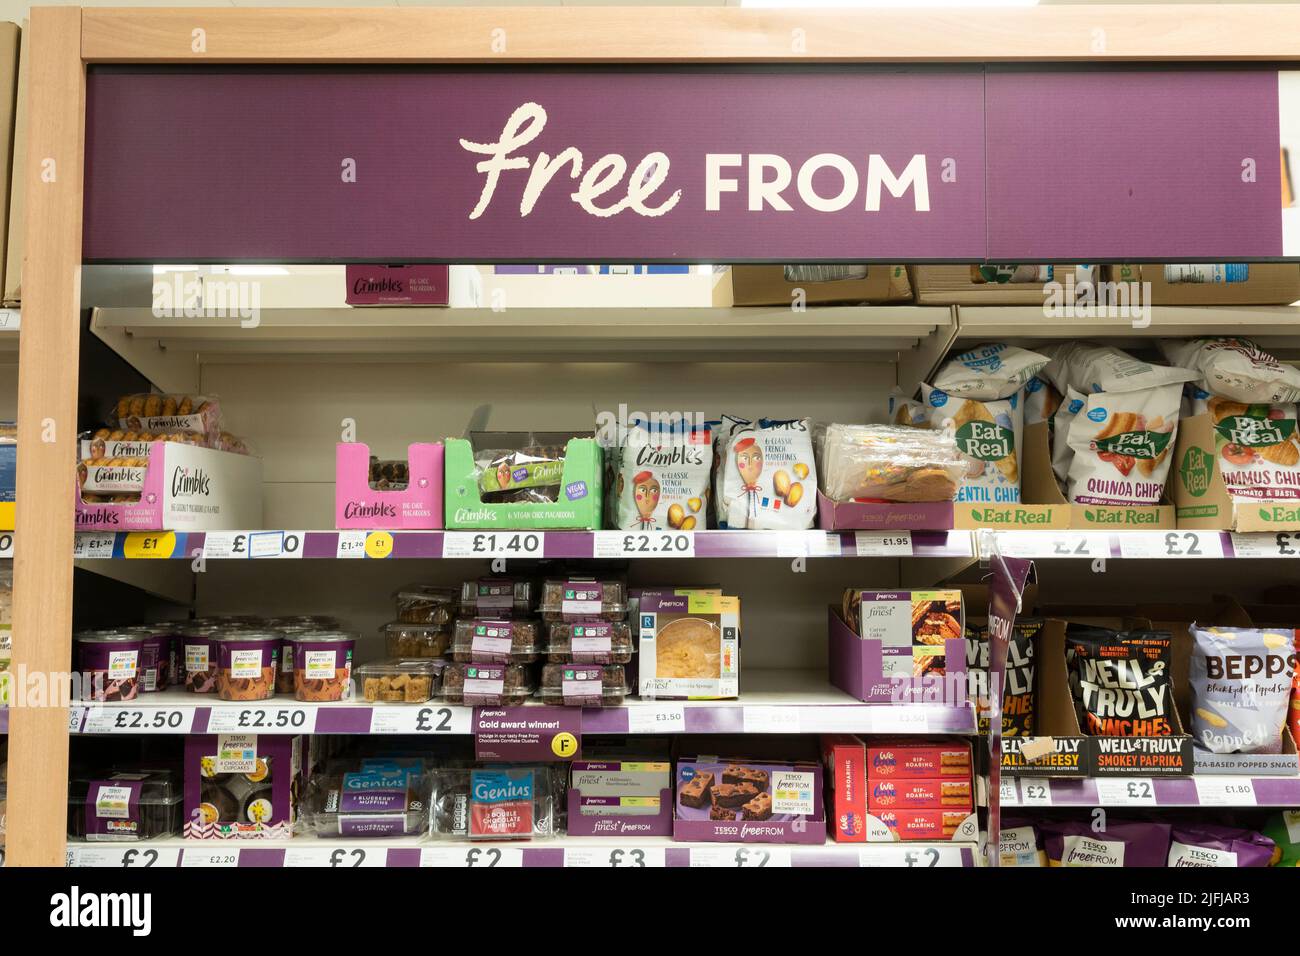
(578,506)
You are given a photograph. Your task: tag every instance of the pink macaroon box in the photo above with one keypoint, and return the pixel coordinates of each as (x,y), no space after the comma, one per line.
(417,507)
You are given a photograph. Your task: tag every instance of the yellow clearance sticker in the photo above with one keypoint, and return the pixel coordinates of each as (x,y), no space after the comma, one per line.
(379,544)
(149,544)
(564,744)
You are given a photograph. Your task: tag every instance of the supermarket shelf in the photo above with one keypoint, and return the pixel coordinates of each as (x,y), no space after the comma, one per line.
(1201,790)
(169,350)
(784,702)
(1274,327)
(568,852)
(289,544)
(1139,544)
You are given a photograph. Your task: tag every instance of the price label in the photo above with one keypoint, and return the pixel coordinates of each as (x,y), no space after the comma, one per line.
(770,720)
(615,857)
(351,544)
(645,544)
(493,544)
(335,858)
(408,719)
(474,857)
(899,718)
(223,859)
(883,544)
(1125,792)
(1052,544)
(141,545)
(220,545)
(1212,791)
(916,857)
(741,857)
(1035,793)
(127,720)
(656,719)
(1170,544)
(276,544)
(76,716)
(6,544)
(92,546)
(1282,544)
(1008,792)
(285,720)
(379,545)
(135,857)
(10,320)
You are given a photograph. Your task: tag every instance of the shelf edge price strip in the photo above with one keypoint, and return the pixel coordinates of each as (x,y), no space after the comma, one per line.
(123,857)
(1215,791)
(758,856)
(1125,791)
(1170,544)
(420,719)
(882,544)
(102,719)
(473,857)
(335,858)
(1281,544)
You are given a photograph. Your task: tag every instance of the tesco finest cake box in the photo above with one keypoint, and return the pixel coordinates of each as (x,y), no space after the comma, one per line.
(186,488)
(735,801)
(417,507)
(689,646)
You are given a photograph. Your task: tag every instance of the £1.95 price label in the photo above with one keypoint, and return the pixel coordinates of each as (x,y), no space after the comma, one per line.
(645,544)
(493,544)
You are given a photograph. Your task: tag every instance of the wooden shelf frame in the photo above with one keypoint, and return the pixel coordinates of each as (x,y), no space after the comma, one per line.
(64,40)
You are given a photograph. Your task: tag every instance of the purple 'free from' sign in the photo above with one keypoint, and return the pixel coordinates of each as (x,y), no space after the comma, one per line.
(558,165)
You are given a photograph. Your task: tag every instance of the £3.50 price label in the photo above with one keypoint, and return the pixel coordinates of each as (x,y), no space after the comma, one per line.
(656,719)
(406,719)
(493,544)
(645,544)
(615,857)
(474,857)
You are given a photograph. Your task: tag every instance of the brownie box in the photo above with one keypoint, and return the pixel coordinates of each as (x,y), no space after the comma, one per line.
(750,802)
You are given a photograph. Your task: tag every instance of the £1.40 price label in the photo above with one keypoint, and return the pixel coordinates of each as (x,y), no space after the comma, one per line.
(493,544)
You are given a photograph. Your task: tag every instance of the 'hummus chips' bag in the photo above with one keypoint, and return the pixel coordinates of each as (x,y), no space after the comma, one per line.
(1236,369)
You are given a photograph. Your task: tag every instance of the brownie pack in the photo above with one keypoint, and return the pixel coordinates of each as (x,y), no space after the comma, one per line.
(736,800)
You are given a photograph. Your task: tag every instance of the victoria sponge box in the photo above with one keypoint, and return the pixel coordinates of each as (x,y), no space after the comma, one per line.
(741,801)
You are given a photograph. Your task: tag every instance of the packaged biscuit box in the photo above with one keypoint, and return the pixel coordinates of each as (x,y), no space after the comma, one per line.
(661,478)
(1120,681)
(1241,680)
(689,646)
(767,476)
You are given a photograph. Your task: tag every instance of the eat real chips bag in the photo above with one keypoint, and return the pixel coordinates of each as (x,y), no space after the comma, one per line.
(988,434)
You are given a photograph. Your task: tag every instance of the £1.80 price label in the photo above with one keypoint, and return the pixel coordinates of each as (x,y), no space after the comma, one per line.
(493,544)
(645,544)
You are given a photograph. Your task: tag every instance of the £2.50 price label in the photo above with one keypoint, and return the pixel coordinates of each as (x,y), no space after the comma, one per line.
(124,720)
(493,544)
(285,720)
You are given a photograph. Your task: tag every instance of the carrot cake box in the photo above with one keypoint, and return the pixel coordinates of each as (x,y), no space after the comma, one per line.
(689,646)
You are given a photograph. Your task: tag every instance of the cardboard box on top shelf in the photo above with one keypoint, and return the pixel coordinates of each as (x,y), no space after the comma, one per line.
(1062,749)
(1200,494)
(1265,283)
(767,285)
(964,285)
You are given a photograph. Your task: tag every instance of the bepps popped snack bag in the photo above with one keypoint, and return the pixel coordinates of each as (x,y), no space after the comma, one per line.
(1241,680)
